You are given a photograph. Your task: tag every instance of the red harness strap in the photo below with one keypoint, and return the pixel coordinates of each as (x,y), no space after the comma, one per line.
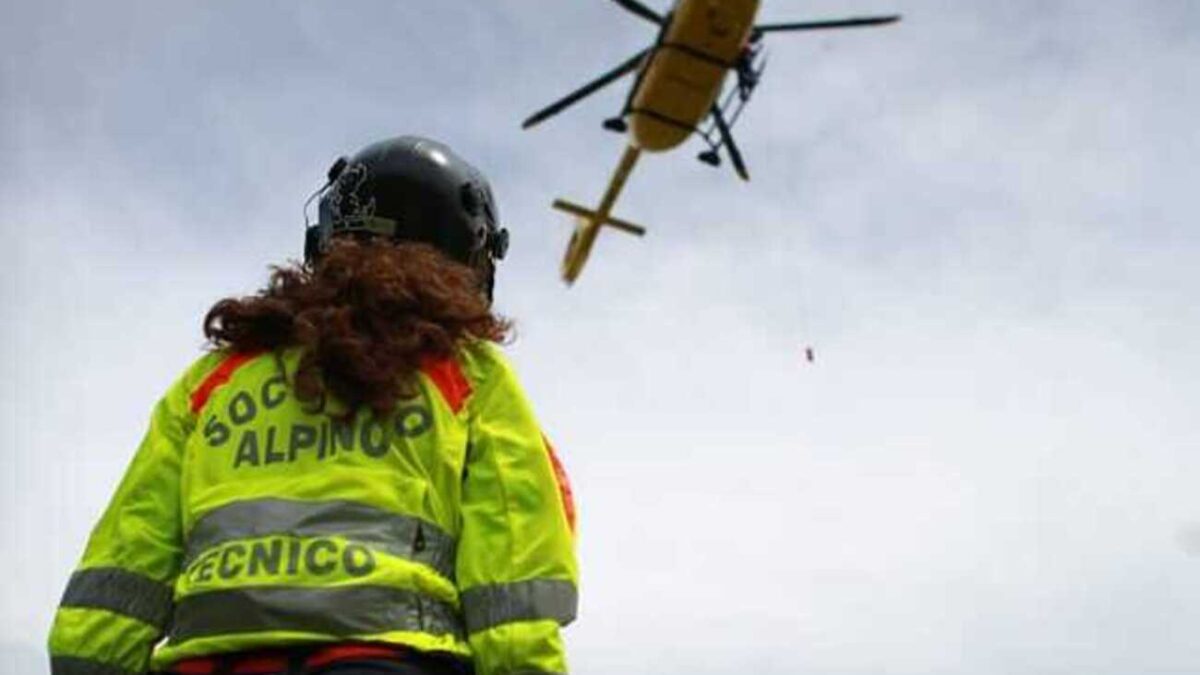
(219,376)
(448,375)
(276,662)
(450,380)
(445,373)
(564,484)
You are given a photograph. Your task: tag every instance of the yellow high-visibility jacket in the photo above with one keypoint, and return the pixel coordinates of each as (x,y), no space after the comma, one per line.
(248,520)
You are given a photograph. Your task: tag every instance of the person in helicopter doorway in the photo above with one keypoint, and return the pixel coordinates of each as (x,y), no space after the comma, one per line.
(351,481)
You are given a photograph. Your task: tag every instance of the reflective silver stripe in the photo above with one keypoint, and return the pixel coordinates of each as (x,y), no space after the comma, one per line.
(399,535)
(339,611)
(71,665)
(488,606)
(120,591)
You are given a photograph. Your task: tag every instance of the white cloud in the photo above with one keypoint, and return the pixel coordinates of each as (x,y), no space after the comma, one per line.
(979,218)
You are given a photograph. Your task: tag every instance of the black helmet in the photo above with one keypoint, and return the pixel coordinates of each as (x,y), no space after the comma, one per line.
(412,189)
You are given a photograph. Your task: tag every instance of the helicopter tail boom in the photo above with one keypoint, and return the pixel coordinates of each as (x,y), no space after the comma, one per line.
(590,222)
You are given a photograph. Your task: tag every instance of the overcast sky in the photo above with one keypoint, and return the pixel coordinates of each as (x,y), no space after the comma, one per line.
(982,219)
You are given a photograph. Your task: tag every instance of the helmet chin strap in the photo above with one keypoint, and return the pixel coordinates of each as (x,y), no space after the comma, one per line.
(314,238)
(483,264)
(308,202)
(339,165)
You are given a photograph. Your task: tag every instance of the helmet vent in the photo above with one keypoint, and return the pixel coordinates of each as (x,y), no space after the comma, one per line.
(469,195)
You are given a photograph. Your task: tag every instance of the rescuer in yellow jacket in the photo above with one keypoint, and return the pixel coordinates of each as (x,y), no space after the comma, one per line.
(352,481)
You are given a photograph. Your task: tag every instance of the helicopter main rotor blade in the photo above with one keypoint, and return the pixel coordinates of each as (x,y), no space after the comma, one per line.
(585,90)
(641,10)
(727,138)
(853,22)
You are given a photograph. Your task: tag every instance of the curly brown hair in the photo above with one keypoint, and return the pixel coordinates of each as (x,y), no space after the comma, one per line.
(365,317)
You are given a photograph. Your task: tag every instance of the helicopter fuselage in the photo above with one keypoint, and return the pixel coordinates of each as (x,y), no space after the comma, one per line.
(682,75)
(679,80)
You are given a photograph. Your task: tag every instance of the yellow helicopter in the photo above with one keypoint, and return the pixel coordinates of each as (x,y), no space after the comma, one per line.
(679,79)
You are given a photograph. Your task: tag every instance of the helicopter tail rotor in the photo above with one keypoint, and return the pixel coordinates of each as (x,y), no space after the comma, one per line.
(586,215)
(587,226)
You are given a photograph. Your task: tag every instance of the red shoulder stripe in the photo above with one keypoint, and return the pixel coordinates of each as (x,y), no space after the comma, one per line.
(450,380)
(564,484)
(219,376)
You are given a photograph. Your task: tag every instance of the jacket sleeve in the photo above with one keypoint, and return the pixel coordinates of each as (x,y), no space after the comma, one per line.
(118,602)
(516,566)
